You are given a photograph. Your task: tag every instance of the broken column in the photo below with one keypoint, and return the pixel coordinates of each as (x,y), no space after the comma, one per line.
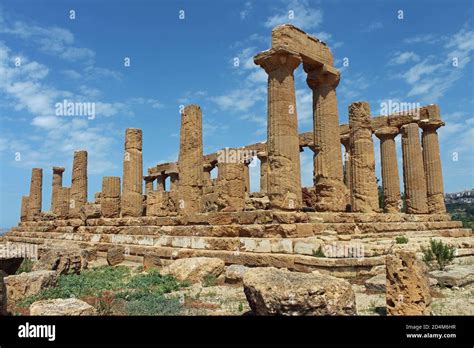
(35,197)
(364,196)
(132,200)
(413,171)
(231,184)
(190,161)
(24,208)
(390,177)
(284,182)
(328,174)
(149,179)
(57,183)
(161,182)
(432,165)
(64,203)
(110,197)
(79,183)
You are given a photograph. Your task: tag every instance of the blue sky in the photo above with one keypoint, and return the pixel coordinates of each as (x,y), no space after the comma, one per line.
(178,61)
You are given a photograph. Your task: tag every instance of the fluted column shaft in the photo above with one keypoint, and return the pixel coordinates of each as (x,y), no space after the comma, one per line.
(413,171)
(284,182)
(78,193)
(35,197)
(390,176)
(110,198)
(432,166)
(57,183)
(132,186)
(263,157)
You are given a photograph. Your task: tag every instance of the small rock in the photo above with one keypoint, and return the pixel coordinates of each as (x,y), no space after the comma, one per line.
(272,291)
(195,269)
(67,307)
(115,255)
(28,284)
(234,274)
(151,260)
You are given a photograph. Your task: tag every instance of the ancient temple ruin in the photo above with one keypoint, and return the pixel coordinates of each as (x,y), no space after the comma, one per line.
(284,224)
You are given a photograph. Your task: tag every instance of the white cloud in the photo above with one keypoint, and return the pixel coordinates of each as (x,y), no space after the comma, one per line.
(247,8)
(426,38)
(298,13)
(403,57)
(240,99)
(417,71)
(373,27)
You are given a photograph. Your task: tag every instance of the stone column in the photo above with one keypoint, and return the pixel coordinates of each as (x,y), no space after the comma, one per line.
(79,183)
(432,166)
(390,177)
(284,182)
(161,183)
(345,141)
(132,200)
(24,208)
(231,186)
(364,183)
(413,171)
(174,180)
(110,198)
(190,161)
(35,197)
(149,179)
(206,174)
(263,157)
(328,173)
(64,202)
(247,177)
(57,183)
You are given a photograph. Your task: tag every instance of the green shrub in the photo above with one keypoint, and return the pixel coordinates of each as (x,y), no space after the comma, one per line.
(401,240)
(154,280)
(442,253)
(209,280)
(319,252)
(26,266)
(152,303)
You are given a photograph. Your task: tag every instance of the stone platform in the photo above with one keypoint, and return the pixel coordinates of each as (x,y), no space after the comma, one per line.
(356,242)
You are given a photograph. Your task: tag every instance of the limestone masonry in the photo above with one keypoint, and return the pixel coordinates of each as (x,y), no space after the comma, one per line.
(284,224)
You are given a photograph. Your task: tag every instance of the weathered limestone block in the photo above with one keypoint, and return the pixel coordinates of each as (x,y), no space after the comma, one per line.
(190,161)
(64,202)
(110,197)
(3,294)
(57,183)
(24,208)
(328,168)
(234,274)
(151,260)
(132,200)
(159,203)
(432,166)
(28,284)
(115,255)
(149,180)
(63,261)
(90,211)
(60,306)
(284,182)
(413,171)
(35,197)
(78,193)
(364,183)
(408,285)
(390,177)
(231,186)
(272,291)
(195,269)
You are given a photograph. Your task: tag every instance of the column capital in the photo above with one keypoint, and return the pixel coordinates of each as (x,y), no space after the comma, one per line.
(430,124)
(345,141)
(386,132)
(58,170)
(276,57)
(322,75)
(262,154)
(149,178)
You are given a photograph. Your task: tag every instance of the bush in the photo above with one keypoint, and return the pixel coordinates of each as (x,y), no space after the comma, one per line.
(442,253)
(319,252)
(401,240)
(151,303)
(26,266)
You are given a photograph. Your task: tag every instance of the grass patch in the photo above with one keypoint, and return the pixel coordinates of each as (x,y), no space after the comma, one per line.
(319,252)
(26,266)
(209,280)
(401,240)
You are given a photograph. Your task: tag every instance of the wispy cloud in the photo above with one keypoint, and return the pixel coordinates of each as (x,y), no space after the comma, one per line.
(298,13)
(372,27)
(246,10)
(403,57)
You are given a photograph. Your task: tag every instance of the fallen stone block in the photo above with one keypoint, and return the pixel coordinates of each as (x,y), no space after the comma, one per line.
(195,269)
(454,276)
(67,307)
(28,284)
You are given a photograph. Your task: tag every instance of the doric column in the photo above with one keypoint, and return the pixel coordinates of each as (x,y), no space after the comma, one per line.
(35,197)
(247,177)
(231,185)
(206,174)
(328,172)
(161,183)
(432,165)
(364,183)
(390,177)
(413,171)
(79,183)
(190,161)
(64,202)
(174,180)
(110,198)
(24,208)
(149,179)
(345,141)
(132,200)
(263,157)
(57,183)
(284,186)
